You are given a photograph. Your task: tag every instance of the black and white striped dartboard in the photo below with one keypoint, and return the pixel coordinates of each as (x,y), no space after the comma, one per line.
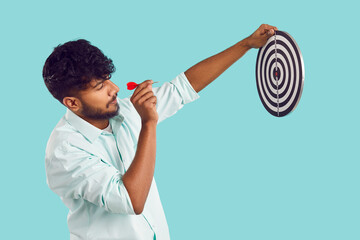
(280,74)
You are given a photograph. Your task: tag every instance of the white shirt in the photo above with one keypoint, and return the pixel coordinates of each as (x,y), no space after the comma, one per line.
(84,166)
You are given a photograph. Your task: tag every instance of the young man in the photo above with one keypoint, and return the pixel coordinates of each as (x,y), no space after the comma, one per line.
(100,157)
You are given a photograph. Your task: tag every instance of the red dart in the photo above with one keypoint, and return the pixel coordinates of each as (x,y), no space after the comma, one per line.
(133,85)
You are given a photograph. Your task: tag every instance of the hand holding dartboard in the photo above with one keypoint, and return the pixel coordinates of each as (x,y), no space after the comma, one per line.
(280,74)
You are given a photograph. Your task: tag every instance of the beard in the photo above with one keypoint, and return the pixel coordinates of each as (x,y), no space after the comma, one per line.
(97,113)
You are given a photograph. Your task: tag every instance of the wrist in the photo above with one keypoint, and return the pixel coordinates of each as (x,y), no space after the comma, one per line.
(245,43)
(149,123)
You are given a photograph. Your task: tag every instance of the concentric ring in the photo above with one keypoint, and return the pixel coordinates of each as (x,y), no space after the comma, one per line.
(280,74)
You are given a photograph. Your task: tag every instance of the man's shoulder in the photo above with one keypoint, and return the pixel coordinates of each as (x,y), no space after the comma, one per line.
(63,136)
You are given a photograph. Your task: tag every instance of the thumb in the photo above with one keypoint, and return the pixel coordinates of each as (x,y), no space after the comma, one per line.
(270,32)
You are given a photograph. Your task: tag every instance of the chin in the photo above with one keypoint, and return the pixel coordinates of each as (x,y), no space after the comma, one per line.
(116,112)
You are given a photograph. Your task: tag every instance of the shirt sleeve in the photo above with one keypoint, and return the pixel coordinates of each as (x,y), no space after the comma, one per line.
(75,173)
(172,96)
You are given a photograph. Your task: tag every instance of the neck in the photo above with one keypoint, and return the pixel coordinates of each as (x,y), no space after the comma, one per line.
(99,123)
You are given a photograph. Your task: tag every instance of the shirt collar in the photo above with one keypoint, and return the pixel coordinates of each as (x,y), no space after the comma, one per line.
(89,131)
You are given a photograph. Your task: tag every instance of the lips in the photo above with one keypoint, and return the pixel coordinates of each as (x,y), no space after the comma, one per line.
(114,101)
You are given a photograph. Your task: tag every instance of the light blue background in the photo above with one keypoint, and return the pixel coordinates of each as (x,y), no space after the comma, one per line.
(226,169)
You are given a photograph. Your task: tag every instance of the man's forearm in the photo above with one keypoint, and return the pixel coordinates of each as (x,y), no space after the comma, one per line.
(138,177)
(206,71)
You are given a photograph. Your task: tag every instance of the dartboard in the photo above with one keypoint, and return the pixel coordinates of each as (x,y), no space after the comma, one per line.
(280,74)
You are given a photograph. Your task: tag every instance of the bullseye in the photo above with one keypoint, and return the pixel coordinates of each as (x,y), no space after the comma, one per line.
(280,74)
(276,74)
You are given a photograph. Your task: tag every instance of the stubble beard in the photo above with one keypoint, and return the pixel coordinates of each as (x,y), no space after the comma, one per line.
(98,114)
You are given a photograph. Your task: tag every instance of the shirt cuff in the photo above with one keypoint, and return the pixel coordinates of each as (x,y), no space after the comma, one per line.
(185,89)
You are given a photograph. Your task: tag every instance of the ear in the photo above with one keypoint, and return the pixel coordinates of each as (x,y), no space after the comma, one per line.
(72,103)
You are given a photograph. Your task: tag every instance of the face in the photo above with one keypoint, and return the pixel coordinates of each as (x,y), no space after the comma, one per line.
(98,101)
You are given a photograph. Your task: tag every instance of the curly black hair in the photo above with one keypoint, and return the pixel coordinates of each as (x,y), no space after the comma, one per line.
(71,66)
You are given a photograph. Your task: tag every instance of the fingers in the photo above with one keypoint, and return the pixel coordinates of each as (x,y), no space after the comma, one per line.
(267,29)
(151,101)
(261,35)
(142,86)
(141,89)
(142,92)
(145,97)
(270,32)
(144,101)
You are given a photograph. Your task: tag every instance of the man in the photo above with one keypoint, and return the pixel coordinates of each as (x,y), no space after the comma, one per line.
(100,157)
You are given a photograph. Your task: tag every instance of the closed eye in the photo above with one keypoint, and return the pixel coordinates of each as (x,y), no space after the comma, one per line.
(100,85)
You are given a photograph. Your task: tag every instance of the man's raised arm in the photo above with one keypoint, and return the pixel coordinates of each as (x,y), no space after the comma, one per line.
(203,73)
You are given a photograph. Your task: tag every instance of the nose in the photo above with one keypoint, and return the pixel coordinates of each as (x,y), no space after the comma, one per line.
(114,89)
